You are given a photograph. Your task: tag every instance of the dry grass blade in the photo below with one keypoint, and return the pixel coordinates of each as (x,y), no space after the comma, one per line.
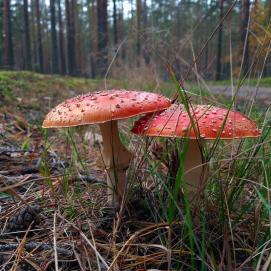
(94,245)
(141,233)
(34,265)
(55,243)
(19,251)
(86,239)
(267,264)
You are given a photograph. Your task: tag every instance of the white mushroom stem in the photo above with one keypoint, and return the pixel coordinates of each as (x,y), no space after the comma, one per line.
(116,159)
(194,171)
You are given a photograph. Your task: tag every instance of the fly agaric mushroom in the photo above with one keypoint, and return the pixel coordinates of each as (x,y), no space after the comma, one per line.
(209,122)
(106,108)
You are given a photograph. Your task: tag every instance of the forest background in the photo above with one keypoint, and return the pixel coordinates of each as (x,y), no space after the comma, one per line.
(87,37)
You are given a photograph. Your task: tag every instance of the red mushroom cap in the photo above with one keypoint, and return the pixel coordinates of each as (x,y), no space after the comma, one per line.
(103,106)
(210,120)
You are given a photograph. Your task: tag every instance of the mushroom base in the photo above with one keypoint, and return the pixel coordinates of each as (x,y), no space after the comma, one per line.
(116,159)
(195,171)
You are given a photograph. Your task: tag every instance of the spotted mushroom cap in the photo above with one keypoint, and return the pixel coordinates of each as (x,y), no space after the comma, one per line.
(210,120)
(103,106)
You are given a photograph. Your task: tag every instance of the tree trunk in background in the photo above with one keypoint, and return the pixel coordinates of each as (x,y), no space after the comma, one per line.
(102,35)
(54,52)
(27,42)
(34,52)
(92,36)
(61,41)
(39,40)
(46,37)
(178,25)
(138,30)
(146,50)
(8,59)
(219,42)
(79,68)
(121,32)
(70,39)
(69,43)
(115,24)
(244,33)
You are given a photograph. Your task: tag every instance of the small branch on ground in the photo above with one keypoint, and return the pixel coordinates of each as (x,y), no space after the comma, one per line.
(36,246)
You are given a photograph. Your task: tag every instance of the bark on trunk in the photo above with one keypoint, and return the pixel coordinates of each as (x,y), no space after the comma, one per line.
(219,42)
(121,33)
(102,36)
(27,42)
(77,40)
(115,25)
(70,39)
(138,30)
(39,41)
(46,42)
(61,41)
(146,50)
(54,52)
(8,59)
(93,37)
(34,52)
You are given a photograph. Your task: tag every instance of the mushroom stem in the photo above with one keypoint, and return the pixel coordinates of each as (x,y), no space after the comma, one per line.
(195,171)
(116,159)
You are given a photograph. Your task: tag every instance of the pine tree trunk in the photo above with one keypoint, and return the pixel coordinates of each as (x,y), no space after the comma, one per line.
(115,25)
(93,37)
(146,51)
(39,40)
(102,35)
(61,41)
(34,52)
(54,52)
(121,32)
(8,59)
(219,42)
(178,21)
(28,63)
(77,40)
(46,41)
(70,39)
(244,33)
(138,30)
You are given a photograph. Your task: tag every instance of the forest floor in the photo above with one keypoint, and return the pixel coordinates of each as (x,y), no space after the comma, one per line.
(32,185)
(52,192)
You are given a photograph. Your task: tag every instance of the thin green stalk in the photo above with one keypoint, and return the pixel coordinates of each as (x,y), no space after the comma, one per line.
(76,150)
